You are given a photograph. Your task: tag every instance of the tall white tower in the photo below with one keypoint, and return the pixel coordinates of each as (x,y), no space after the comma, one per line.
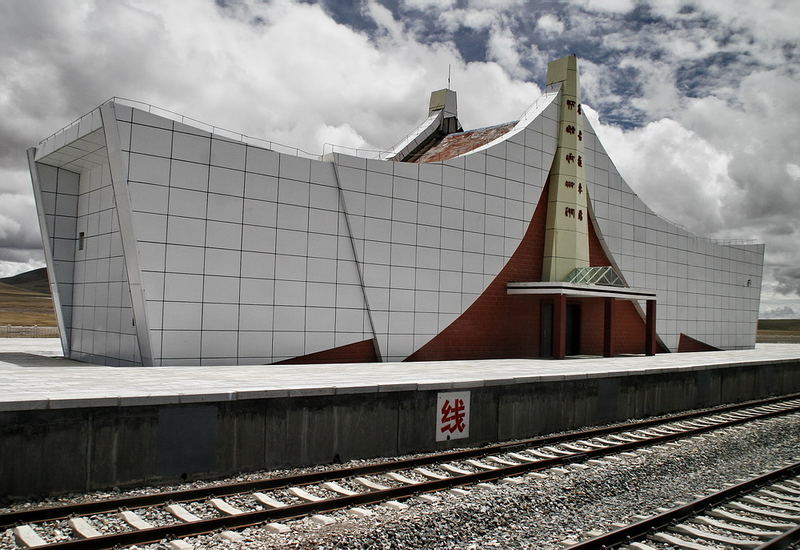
(567,229)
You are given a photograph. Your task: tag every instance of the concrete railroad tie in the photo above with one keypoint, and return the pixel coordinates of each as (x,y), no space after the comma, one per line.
(400,478)
(713,537)
(134,520)
(319,519)
(269,502)
(26,536)
(480,465)
(679,542)
(224,507)
(504,462)
(83,528)
(371,485)
(336,488)
(455,470)
(429,474)
(279,528)
(359,512)
(182,513)
(303,494)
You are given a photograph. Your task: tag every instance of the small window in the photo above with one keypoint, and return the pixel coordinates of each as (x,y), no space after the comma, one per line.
(81,239)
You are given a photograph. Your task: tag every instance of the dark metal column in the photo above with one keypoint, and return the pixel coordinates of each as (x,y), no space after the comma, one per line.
(650,329)
(560,326)
(608,327)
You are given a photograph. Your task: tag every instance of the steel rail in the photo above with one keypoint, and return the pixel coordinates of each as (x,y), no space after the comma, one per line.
(247,519)
(11,519)
(637,530)
(786,540)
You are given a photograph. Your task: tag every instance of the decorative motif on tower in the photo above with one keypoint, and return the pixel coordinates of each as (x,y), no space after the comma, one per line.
(567,229)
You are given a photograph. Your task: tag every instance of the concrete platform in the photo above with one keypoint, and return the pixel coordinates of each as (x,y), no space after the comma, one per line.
(34,375)
(76,426)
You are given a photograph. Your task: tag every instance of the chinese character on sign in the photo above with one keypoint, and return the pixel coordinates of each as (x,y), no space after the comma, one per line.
(580,161)
(579,109)
(570,184)
(580,188)
(452,416)
(570,129)
(580,135)
(570,157)
(580,215)
(571,104)
(569,212)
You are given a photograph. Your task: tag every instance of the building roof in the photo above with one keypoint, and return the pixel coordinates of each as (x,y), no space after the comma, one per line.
(452,145)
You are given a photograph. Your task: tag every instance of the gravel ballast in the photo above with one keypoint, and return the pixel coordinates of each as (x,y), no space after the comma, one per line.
(542,513)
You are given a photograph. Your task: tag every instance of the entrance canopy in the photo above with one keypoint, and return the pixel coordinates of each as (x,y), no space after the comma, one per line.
(559,291)
(574,289)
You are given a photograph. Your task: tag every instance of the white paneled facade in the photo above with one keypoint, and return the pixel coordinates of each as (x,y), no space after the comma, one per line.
(244,252)
(430,237)
(198,249)
(84,242)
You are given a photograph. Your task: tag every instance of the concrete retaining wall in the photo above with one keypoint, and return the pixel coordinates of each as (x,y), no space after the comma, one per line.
(78,449)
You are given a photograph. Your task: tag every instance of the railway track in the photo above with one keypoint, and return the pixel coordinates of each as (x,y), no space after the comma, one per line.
(176,514)
(760,513)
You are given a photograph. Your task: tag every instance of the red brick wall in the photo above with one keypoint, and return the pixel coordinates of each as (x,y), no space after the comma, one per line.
(360,352)
(688,344)
(499,325)
(592,319)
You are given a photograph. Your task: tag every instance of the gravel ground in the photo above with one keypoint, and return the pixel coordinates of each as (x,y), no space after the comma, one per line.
(542,513)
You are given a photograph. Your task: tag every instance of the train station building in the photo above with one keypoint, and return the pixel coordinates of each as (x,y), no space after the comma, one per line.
(171,242)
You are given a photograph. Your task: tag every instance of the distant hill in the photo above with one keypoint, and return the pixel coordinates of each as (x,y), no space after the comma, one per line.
(25,300)
(779,324)
(34,281)
(780,331)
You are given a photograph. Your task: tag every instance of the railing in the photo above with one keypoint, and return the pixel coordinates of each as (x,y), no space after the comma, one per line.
(735,242)
(21,331)
(722,242)
(373,154)
(210,128)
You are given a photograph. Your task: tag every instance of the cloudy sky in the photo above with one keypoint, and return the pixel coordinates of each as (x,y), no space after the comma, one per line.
(698,101)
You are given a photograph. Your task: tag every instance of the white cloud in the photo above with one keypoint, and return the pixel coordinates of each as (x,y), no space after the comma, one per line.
(428,5)
(8,269)
(678,174)
(779,312)
(659,95)
(550,24)
(502,48)
(608,6)
(497,5)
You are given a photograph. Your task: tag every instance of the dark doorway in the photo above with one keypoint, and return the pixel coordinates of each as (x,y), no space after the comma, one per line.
(546,323)
(573,329)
